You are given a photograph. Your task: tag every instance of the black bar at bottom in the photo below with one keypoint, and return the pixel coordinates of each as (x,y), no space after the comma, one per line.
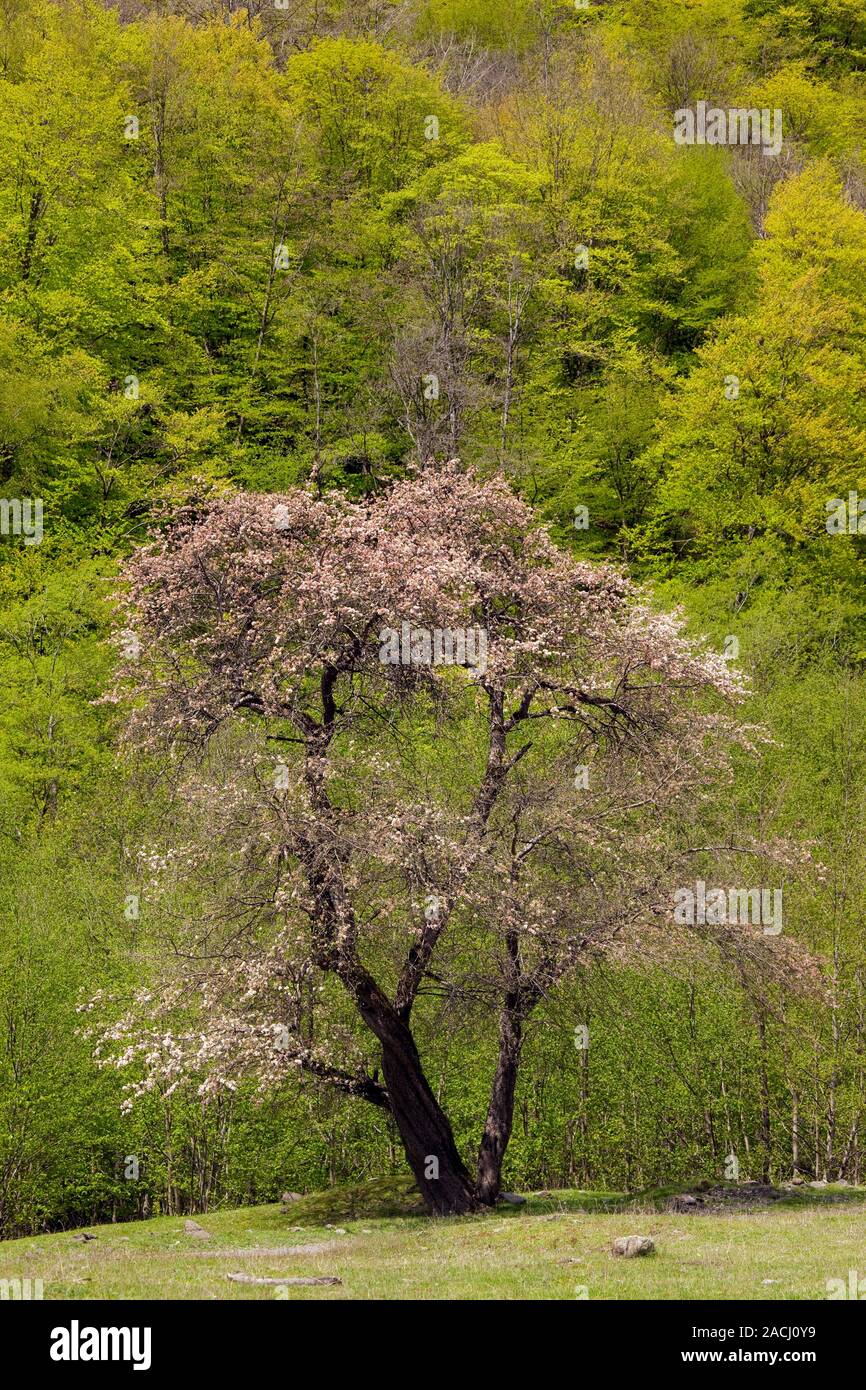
(263,1338)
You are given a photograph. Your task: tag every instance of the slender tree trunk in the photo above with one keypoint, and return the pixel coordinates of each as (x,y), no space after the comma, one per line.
(520,999)
(37,205)
(835,1071)
(500,1112)
(509,387)
(159,169)
(766,1136)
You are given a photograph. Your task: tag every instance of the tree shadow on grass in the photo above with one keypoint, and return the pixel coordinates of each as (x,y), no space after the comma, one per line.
(397,1199)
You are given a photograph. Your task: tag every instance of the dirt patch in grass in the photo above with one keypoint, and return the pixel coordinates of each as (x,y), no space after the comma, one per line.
(748,1196)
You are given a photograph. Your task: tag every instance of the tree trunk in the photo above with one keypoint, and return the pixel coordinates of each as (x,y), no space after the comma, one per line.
(766,1136)
(427,1137)
(440,1172)
(37,205)
(500,1112)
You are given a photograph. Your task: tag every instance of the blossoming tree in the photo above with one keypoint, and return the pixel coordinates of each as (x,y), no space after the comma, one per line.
(369,837)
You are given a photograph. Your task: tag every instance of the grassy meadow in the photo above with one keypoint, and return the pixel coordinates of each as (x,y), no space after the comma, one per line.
(556,1246)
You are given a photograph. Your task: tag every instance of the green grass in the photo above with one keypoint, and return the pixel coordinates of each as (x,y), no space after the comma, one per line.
(383,1249)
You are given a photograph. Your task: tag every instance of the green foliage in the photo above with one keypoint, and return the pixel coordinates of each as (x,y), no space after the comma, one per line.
(826,33)
(771,421)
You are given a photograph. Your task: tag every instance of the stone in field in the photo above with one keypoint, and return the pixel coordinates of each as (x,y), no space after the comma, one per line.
(632,1246)
(685,1201)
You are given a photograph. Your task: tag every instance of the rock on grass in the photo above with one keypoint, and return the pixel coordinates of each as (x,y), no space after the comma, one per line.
(632,1246)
